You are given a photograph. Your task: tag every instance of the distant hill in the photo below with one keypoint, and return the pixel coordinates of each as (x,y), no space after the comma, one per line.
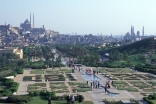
(144,45)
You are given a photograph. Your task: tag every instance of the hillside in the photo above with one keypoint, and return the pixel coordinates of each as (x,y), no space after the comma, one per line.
(144,45)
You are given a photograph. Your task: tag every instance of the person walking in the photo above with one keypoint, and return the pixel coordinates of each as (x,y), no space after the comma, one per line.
(49,100)
(98,84)
(72,99)
(68,99)
(91,83)
(106,88)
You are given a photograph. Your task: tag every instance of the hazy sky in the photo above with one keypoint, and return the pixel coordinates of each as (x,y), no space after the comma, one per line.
(83,16)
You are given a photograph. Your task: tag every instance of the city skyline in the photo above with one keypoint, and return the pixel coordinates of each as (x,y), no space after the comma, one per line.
(83,17)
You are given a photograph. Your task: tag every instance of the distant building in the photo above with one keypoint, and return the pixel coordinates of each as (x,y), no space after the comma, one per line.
(11,50)
(27,24)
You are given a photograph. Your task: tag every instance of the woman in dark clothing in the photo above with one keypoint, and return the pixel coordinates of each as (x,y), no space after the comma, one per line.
(49,100)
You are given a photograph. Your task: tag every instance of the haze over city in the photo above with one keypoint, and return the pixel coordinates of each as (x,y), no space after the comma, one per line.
(83,16)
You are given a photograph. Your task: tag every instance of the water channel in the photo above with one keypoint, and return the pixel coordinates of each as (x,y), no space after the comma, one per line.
(89,77)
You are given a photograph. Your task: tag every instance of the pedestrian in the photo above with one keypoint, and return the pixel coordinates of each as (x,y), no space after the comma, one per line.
(72,99)
(106,88)
(49,100)
(87,82)
(96,84)
(68,99)
(91,83)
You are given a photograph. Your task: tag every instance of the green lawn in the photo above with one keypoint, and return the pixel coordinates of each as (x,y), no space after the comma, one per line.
(37,71)
(154,101)
(38,100)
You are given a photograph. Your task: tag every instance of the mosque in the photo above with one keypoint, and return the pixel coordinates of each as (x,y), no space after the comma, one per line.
(27,25)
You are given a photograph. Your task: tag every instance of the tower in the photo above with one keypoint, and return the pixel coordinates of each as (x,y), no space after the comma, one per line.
(143,31)
(30,17)
(33,21)
(131,30)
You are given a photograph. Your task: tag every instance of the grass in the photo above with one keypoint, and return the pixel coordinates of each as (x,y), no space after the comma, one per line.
(39,100)
(154,101)
(36,71)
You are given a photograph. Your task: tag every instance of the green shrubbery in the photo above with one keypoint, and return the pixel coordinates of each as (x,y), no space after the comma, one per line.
(19,70)
(18,99)
(11,86)
(150,98)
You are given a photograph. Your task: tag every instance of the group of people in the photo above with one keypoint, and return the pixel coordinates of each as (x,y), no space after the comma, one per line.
(70,99)
(94,84)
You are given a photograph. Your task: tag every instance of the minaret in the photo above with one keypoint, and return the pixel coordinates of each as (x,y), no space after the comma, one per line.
(33,21)
(30,18)
(131,30)
(143,31)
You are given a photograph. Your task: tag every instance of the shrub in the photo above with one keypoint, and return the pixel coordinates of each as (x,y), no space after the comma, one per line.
(19,99)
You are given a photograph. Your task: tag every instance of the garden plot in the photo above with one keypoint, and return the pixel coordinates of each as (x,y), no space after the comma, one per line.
(153,83)
(152,88)
(67,71)
(121,85)
(141,76)
(58,71)
(116,70)
(37,71)
(79,86)
(125,76)
(36,87)
(151,77)
(36,78)
(140,84)
(54,71)
(71,77)
(59,87)
(58,77)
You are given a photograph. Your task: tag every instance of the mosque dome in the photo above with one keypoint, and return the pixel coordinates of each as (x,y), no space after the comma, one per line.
(26,21)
